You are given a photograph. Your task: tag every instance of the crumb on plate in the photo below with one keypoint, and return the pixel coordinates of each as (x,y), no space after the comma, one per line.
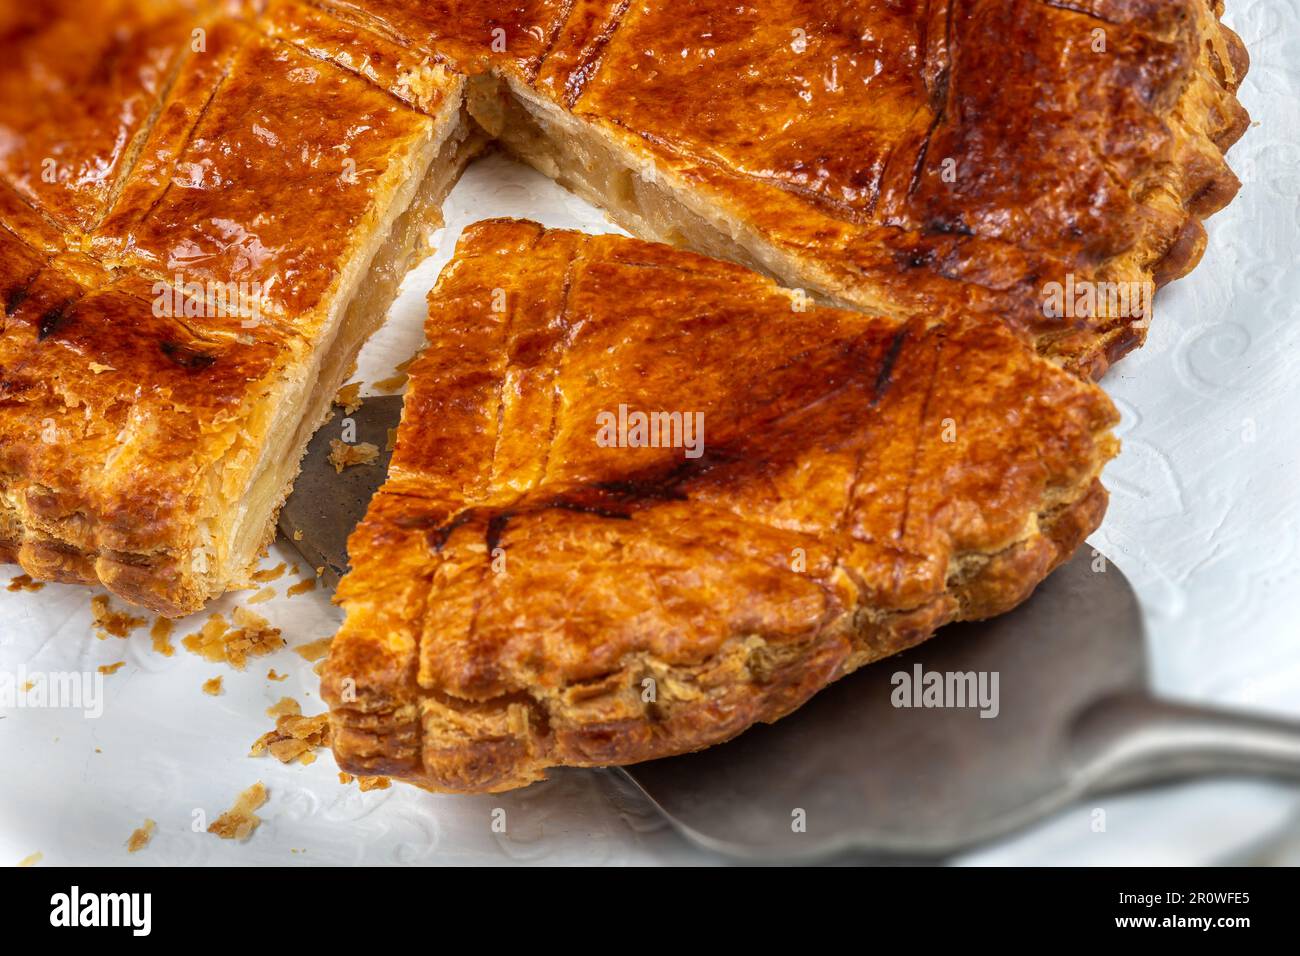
(253,636)
(302,587)
(239,822)
(268,574)
(315,650)
(349,397)
(295,737)
(160,634)
(141,836)
(109,622)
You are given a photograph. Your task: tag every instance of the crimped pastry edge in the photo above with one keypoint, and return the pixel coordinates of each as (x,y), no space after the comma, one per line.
(394,742)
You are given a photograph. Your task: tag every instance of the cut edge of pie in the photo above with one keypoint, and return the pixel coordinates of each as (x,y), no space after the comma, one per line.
(304,402)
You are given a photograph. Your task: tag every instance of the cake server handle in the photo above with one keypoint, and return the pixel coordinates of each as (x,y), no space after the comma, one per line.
(1135,739)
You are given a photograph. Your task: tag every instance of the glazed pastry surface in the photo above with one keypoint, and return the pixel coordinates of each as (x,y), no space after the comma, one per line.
(529,591)
(174,296)
(922,161)
(916,157)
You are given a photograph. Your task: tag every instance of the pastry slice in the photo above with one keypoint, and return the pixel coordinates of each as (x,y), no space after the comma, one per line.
(1043,164)
(161,375)
(641,499)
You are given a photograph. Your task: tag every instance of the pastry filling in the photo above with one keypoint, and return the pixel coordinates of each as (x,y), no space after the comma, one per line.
(239,534)
(640,198)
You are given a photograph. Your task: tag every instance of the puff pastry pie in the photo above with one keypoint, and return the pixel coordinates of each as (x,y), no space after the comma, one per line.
(202,219)
(537,584)
(951,155)
(947,160)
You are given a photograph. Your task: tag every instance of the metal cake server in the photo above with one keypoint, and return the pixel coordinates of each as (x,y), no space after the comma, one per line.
(851,771)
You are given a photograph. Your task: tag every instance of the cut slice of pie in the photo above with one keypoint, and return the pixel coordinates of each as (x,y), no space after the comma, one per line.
(641,499)
(164,359)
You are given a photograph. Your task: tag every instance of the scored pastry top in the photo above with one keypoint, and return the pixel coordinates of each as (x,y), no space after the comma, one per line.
(843,485)
(79,82)
(263,168)
(938,161)
(220,180)
(947,156)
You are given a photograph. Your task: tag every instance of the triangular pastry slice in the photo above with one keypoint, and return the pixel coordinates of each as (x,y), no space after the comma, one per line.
(641,499)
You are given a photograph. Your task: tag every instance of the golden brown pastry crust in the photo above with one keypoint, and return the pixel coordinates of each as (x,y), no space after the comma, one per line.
(132,439)
(920,158)
(818,133)
(79,82)
(863,481)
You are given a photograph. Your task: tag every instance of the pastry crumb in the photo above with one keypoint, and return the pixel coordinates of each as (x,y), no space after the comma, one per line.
(398,379)
(343,455)
(272,675)
(24,582)
(283,706)
(269,574)
(109,622)
(107,669)
(366,784)
(302,587)
(391,443)
(315,650)
(161,633)
(253,636)
(31,860)
(239,822)
(261,596)
(297,536)
(141,836)
(294,736)
(349,397)
(213,686)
